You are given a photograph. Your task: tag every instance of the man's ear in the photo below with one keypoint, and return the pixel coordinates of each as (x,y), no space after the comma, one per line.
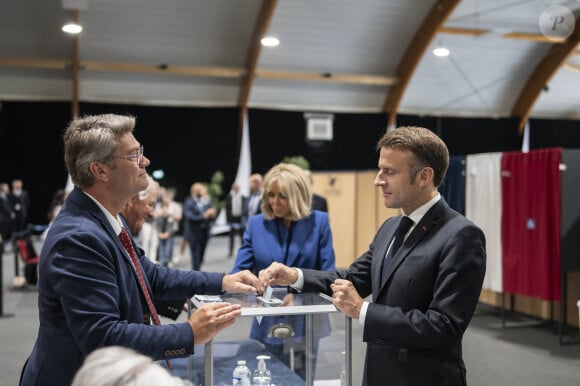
(426,175)
(99,170)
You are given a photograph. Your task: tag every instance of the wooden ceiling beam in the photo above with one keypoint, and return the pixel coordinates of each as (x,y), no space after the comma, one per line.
(260,29)
(212,72)
(216,72)
(414,52)
(508,35)
(532,37)
(48,64)
(463,31)
(372,80)
(542,74)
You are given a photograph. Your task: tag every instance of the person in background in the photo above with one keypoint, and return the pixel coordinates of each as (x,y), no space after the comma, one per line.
(148,239)
(121,366)
(140,207)
(135,212)
(198,212)
(55,205)
(318,201)
(234,209)
(164,222)
(423,293)
(5,215)
(287,231)
(254,202)
(175,210)
(20,203)
(95,286)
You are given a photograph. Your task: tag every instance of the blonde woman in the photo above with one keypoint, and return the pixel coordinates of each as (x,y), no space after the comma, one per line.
(289,232)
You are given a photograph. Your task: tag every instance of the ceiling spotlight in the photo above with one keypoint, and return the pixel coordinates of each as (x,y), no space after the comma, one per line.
(441,52)
(270,41)
(72,28)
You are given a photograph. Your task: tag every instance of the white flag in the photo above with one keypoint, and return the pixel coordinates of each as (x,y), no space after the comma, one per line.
(245,161)
(526,140)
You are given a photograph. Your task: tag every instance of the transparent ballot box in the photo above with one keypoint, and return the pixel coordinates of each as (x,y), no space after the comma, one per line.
(305,326)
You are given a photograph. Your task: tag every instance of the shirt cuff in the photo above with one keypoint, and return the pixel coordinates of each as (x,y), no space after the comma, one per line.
(363,314)
(299,283)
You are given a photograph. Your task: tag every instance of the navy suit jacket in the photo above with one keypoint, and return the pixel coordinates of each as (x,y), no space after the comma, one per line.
(420,310)
(89,297)
(310,247)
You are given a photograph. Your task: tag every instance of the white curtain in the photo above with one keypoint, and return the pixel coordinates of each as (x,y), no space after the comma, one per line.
(483,207)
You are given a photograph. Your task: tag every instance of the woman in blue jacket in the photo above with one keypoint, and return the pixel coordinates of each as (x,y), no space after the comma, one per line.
(289,232)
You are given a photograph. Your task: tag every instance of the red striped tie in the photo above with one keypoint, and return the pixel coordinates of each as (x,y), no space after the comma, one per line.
(126,241)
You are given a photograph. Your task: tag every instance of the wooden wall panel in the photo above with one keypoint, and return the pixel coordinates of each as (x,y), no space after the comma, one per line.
(573,298)
(339,188)
(366,211)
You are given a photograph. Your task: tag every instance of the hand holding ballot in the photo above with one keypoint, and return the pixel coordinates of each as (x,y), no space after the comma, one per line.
(243,281)
(278,274)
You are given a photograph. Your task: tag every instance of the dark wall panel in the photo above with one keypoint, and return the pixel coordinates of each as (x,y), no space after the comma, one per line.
(188,144)
(554,133)
(191,143)
(277,134)
(31,150)
(480,135)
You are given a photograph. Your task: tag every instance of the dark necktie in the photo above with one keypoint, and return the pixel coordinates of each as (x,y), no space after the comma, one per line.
(397,240)
(126,241)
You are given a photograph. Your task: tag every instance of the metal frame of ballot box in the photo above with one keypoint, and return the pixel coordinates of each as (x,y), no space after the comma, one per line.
(307,304)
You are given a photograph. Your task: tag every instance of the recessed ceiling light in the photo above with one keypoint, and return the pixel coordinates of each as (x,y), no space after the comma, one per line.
(441,52)
(72,28)
(270,41)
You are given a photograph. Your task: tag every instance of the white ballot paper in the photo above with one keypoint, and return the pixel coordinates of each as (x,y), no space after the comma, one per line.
(267,299)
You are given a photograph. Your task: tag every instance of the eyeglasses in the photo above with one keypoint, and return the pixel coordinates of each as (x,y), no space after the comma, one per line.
(137,155)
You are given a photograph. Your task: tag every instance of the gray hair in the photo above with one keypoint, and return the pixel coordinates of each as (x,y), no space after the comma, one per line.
(120,366)
(92,138)
(153,187)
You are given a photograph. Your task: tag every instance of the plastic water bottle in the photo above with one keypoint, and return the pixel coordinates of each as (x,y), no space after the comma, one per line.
(242,375)
(343,370)
(262,376)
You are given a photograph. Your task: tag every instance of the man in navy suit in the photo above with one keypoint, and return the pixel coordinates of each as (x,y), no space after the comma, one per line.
(235,204)
(425,293)
(91,292)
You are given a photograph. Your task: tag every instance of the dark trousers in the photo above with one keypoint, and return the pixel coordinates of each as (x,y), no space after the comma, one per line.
(236,229)
(197,240)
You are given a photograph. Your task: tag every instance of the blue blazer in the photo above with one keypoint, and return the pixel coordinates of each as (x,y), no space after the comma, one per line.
(89,297)
(310,247)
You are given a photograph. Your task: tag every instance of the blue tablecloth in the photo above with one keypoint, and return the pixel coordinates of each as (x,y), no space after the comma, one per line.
(226,356)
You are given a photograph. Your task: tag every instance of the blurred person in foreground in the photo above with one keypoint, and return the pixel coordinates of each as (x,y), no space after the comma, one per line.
(423,294)
(95,285)
(121,366)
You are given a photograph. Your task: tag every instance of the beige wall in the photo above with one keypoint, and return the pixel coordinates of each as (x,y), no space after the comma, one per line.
(340,191)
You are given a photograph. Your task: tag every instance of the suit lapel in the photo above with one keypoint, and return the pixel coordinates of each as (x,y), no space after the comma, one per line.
(300,232)
(382,245)
(270,239)
(425,225)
